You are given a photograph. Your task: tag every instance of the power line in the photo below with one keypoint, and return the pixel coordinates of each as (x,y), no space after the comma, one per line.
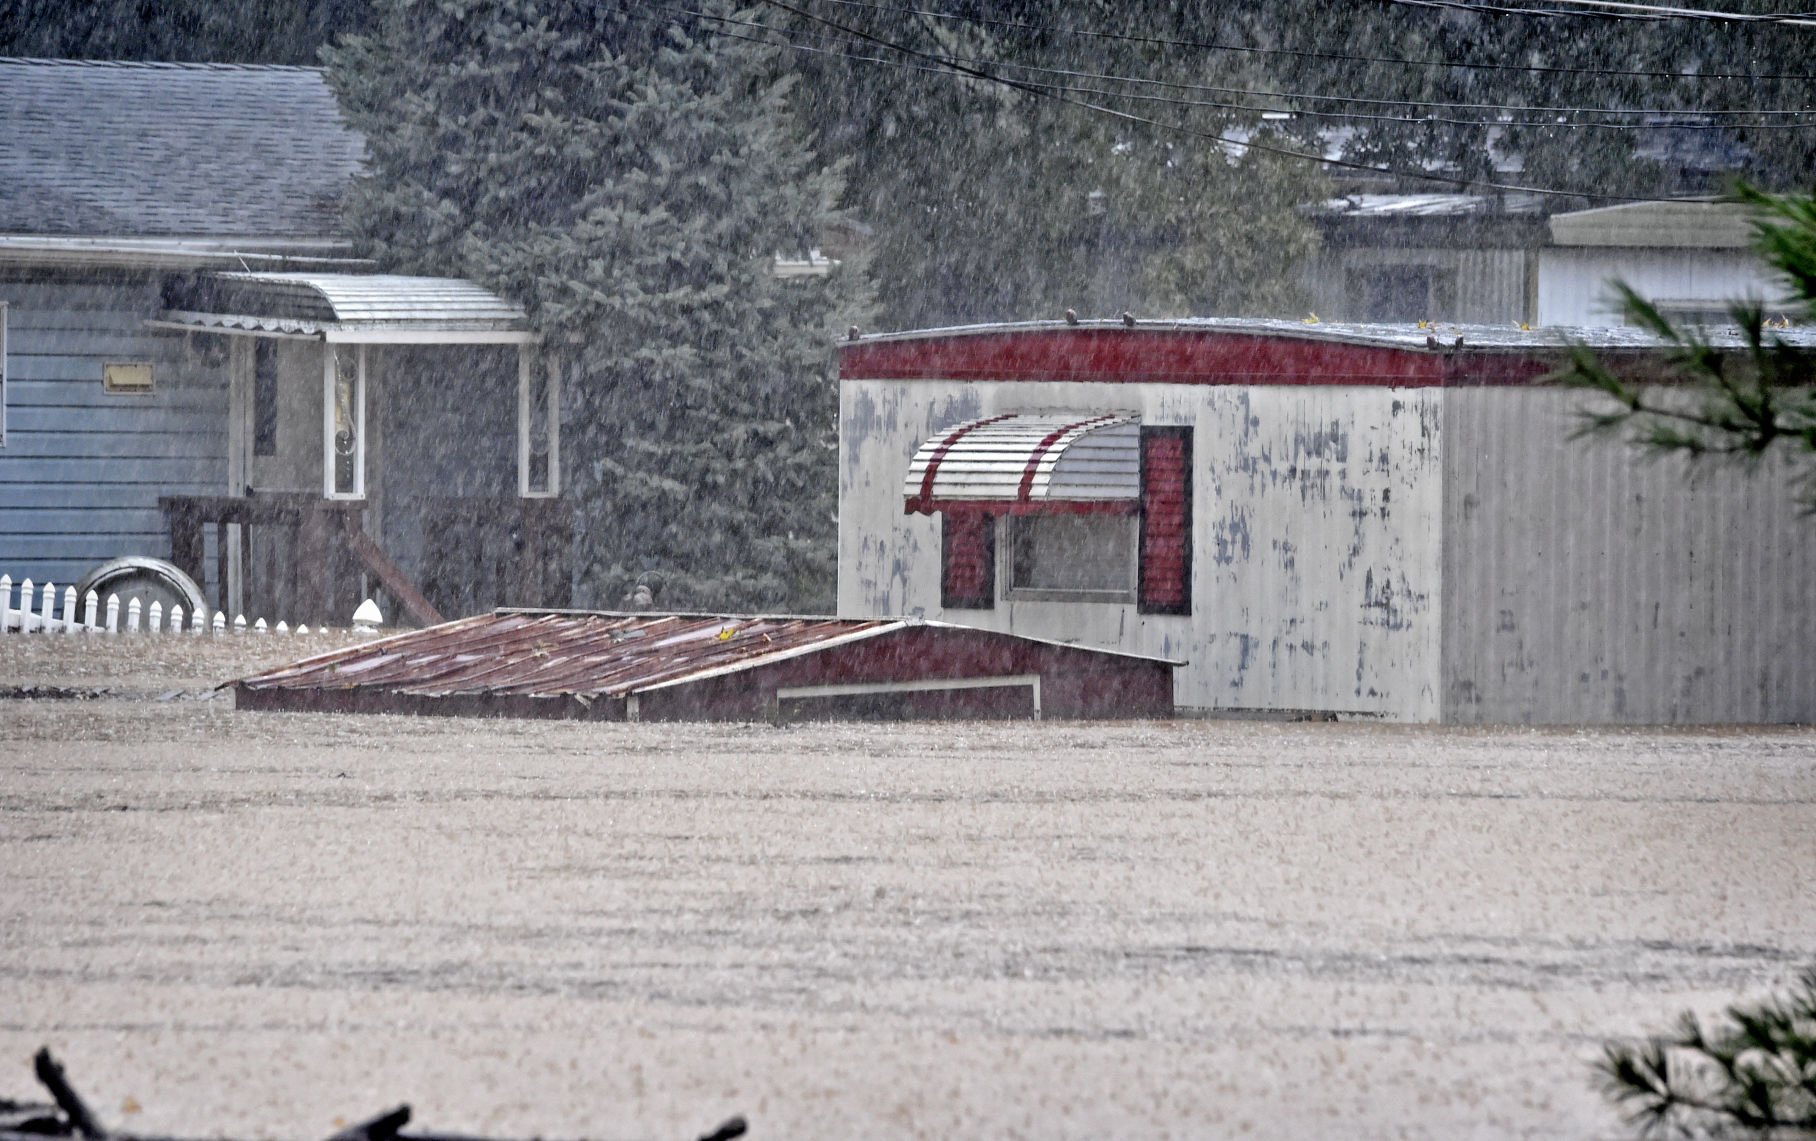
(1203,45)
(1414,120)
(1800,19)
(1212,136)
(1365,101)
(1605,10)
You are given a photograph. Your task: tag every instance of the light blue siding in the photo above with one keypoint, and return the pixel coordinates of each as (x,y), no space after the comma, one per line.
(82,468)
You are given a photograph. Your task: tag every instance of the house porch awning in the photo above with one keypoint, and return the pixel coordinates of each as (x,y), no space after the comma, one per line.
(345,308)
(1021,463)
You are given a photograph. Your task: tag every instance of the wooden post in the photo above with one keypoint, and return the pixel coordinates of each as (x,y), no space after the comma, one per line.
(186,540)
(313,583)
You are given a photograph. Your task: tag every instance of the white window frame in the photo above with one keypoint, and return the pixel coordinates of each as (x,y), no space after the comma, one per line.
(1011,591)
(530,359)
(330,380)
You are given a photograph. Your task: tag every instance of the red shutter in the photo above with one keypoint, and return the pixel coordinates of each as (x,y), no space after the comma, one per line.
(968,560)
(1166,521)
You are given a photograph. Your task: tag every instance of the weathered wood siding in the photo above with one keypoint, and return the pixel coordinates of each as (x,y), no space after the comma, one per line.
(82,469)
(1584,583)
(1315,512)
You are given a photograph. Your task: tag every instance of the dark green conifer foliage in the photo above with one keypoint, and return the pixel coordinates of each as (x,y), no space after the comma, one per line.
(991,203)
(630,181)
(1736,406)
(1751,1073)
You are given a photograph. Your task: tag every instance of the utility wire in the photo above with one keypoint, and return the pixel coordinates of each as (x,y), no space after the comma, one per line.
(1203,45)
(1365,101)
(1212,136)
(1415,120)
(1797,18)
(1612,11)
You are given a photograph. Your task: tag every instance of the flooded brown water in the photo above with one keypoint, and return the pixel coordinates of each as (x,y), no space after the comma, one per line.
(266,925)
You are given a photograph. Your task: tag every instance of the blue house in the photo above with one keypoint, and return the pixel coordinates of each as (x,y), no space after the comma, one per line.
(194,367)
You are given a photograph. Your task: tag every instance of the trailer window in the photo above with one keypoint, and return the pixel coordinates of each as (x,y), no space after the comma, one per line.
(1071,557)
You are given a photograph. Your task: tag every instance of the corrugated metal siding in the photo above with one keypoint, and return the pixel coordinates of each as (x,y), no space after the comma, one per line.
(1476,286)
(82,469)
(1586,584)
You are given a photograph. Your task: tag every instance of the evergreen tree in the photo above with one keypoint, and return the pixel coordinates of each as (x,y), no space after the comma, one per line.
(187,31)
(1751,1073)
(630,180)
(1007,200)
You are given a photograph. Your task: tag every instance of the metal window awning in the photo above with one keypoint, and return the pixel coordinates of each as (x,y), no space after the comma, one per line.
(1017,463)
(345,308)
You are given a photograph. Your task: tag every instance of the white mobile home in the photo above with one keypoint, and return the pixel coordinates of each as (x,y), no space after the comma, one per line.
(1381,521)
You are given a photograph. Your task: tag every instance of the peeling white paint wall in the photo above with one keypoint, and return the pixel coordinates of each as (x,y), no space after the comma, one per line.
(1316,525)
(1416,554)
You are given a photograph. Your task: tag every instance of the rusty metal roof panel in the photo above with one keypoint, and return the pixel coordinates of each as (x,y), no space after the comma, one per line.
(553,654)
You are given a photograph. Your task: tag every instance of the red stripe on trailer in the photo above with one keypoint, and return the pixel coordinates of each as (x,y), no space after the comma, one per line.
(1168,357)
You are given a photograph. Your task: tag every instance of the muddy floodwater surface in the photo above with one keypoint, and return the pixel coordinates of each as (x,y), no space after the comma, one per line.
(269,925)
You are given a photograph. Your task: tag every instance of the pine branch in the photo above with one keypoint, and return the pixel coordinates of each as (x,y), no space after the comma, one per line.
(1754,1071)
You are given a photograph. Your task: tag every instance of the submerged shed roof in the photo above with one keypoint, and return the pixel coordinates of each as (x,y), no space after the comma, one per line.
(534,654)
(574,663)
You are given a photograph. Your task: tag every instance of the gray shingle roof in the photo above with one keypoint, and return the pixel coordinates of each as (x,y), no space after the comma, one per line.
(160,149)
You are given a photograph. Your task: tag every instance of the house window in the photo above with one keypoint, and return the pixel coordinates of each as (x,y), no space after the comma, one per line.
(1086,558)
(2,374)
(264,398)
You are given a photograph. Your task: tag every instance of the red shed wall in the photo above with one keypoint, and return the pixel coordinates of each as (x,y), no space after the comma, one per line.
(1074,682)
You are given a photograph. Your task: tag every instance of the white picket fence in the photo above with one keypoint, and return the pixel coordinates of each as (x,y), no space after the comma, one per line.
(38,612)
